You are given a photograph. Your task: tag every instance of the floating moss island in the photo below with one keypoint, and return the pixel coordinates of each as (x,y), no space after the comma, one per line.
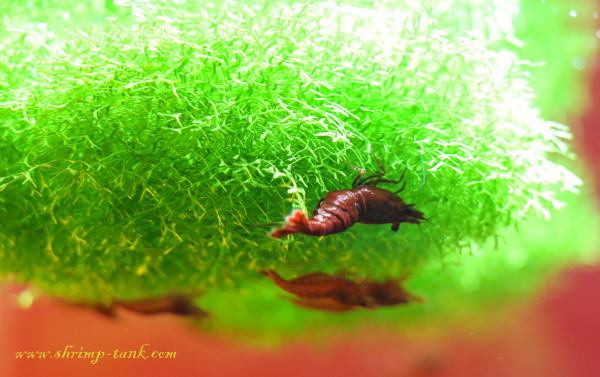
(139,155)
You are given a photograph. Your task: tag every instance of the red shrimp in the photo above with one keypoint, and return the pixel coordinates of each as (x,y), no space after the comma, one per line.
(173,303)
(319,285)
(364,203)
(178,304)
(318,290)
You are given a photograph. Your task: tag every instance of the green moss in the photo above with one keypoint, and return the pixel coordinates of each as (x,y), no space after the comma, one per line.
(138,160)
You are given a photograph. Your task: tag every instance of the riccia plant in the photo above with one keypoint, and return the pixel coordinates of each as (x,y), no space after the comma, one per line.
(138,160)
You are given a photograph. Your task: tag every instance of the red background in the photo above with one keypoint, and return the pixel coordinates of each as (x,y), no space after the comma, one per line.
(555,334)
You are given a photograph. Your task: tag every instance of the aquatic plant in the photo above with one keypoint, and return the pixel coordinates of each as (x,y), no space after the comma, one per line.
(138,155)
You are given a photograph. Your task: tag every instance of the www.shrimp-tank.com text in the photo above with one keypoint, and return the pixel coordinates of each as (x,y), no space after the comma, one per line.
(69,352)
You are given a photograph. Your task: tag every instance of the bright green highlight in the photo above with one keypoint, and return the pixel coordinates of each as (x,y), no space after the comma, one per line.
(560,38)
(137,160)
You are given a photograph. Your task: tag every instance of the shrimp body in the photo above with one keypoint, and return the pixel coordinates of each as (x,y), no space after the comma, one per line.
(363,203)
(179,304)
(173,303)
(341,209)
(319,285)
(322,291)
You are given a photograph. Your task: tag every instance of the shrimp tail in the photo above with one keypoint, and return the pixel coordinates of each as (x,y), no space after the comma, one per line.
(277,279)
(294,223)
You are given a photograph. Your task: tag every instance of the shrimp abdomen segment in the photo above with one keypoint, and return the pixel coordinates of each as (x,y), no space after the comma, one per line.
(338,211)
